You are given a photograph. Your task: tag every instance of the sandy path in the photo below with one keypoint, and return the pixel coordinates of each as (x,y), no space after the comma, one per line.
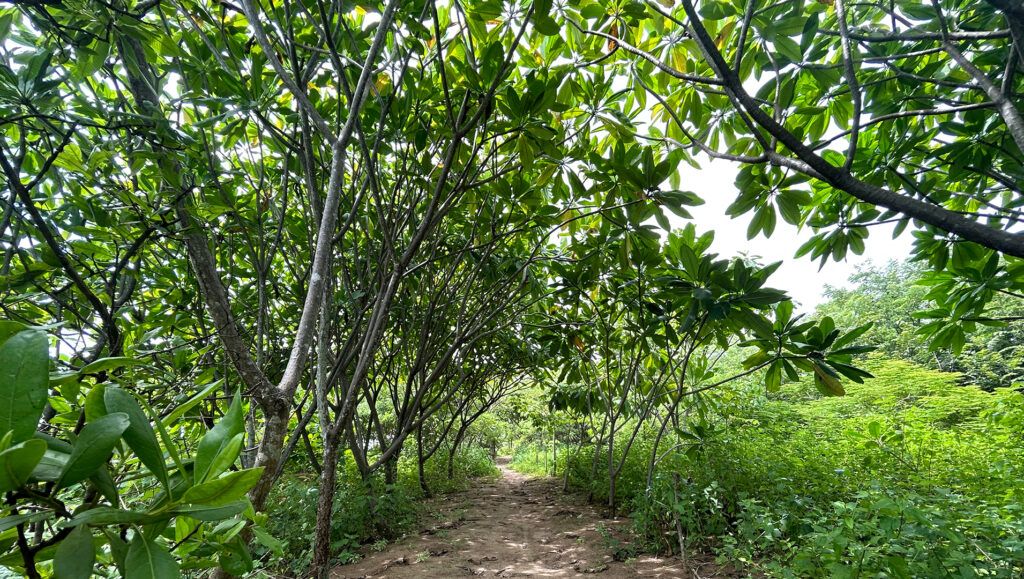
(519,526)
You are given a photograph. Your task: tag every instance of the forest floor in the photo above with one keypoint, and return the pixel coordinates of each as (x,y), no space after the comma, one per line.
(521,526)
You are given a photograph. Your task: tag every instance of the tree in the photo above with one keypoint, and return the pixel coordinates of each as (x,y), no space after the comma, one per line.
(898,300)
(843,116)
(337,210)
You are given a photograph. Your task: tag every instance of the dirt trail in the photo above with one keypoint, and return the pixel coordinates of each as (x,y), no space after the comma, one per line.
(519,526)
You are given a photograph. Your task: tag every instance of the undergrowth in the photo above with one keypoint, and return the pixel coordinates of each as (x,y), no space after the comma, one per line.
(909,475)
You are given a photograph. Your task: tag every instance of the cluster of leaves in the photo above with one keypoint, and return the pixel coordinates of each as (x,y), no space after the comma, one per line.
(909,475)
(373,219)
(842,116)
(987,347)
(65,486)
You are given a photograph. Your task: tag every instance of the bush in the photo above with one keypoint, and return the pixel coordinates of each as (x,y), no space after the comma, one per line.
(909,475)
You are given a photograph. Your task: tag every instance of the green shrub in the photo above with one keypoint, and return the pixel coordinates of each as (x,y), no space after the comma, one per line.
(909,475)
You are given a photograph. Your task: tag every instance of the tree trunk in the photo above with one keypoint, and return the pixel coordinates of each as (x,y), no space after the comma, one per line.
(320,567)
(593,469)
(455,447)
(611,467)
(420,460)
(275,429)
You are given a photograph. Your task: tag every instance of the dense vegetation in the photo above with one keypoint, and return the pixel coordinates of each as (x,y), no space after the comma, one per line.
(272,270)
(908,475)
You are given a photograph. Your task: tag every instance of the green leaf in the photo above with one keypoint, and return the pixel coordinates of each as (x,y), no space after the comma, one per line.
(139,436)
(267,540)
(714,10)
(852,336)
(118,548)
(546,25)
(208,513)
(24,378)
(148,559)
(223,490)
(106,516)
(95,407)
(75,555)
(788,48)
(10,521)
(595,10)
(51,465)
(852,372)
(773,377)
(106,364)
(104,483)
(70,158)
(227,456)
(216,440)
(18,462)
(184,407)
(235,558)
(9,328)
(93,448)
(826,383)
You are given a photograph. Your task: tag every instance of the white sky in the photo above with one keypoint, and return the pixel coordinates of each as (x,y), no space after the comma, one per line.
(714,183)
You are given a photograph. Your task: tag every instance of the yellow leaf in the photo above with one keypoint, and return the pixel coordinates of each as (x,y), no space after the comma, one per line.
(827,382)
(723,36)
(578,343)
(614,31)
(679,59)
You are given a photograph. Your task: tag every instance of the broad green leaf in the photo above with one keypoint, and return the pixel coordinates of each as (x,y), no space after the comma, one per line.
(10,521)
(9,328)
(140,435)
(93,448)
(75,555)
(184,407)
(852,336)
(18,462)
(106,516)
(773,377)
(70,158)
(227,456)
(235,558)
(207,513)
(228,488)
(105,364)
(217,439)
(147,559)
(595,10)
(94,403)
(788,48)
(51,465)
(118,548)
(24,378)
(267,540)
(104,483)
(546,25)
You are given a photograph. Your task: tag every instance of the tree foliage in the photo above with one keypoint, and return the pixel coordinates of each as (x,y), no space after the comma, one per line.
(375,220)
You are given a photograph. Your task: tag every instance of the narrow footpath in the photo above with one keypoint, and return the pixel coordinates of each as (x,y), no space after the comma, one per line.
(521,526)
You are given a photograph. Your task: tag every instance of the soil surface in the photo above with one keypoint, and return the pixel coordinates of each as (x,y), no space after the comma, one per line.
(521,526)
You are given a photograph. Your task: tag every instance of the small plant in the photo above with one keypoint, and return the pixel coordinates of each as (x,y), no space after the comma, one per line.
(422,556)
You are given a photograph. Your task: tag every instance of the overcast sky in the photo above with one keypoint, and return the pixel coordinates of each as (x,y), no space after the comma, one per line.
(800,277)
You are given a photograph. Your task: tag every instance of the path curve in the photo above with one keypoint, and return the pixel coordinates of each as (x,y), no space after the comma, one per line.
(519,526)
